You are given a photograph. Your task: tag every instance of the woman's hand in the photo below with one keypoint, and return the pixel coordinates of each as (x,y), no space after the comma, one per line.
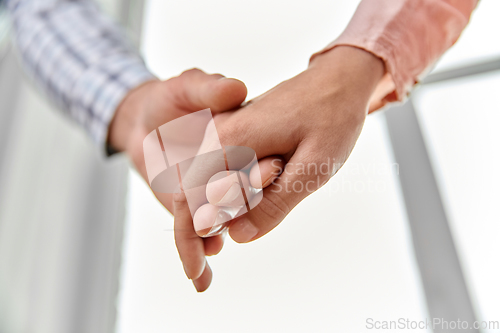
(313,121)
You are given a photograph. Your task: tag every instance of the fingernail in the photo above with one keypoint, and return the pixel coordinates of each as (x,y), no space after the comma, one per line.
(196,286)
(232,194)
(243,231)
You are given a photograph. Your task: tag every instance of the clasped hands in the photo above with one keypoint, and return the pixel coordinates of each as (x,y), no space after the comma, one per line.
(314,118)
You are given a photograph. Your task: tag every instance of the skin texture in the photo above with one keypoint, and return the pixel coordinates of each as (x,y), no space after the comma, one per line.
(314,118)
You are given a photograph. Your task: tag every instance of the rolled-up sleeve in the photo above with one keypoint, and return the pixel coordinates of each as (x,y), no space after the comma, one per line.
(79,57)
(408,35)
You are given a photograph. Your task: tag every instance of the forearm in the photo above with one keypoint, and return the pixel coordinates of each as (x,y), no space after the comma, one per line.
(79,57)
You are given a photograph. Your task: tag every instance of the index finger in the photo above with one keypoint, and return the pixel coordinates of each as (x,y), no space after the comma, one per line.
(190,247)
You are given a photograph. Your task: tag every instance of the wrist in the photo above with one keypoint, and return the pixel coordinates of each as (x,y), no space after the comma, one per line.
(350,70)
(127,116)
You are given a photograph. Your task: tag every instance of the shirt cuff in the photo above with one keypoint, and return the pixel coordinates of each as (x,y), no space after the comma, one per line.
(409,36)
(100,90)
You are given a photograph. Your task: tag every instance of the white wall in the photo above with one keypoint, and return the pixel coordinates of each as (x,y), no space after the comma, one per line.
(61,216)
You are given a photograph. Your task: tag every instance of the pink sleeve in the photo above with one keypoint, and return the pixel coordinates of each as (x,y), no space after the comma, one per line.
(408,35)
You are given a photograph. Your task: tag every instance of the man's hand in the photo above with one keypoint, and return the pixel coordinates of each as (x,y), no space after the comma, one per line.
(158,102)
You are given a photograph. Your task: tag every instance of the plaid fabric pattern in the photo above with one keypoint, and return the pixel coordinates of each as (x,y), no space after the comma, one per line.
(79,57)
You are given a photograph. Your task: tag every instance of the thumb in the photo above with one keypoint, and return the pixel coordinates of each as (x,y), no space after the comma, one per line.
(278,199)
(200,90)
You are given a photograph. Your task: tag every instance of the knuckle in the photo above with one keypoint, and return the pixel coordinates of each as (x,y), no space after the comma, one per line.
(179,198)
(217,76)
(191,71)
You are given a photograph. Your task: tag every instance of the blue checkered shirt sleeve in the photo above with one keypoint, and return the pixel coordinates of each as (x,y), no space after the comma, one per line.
(79,57)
